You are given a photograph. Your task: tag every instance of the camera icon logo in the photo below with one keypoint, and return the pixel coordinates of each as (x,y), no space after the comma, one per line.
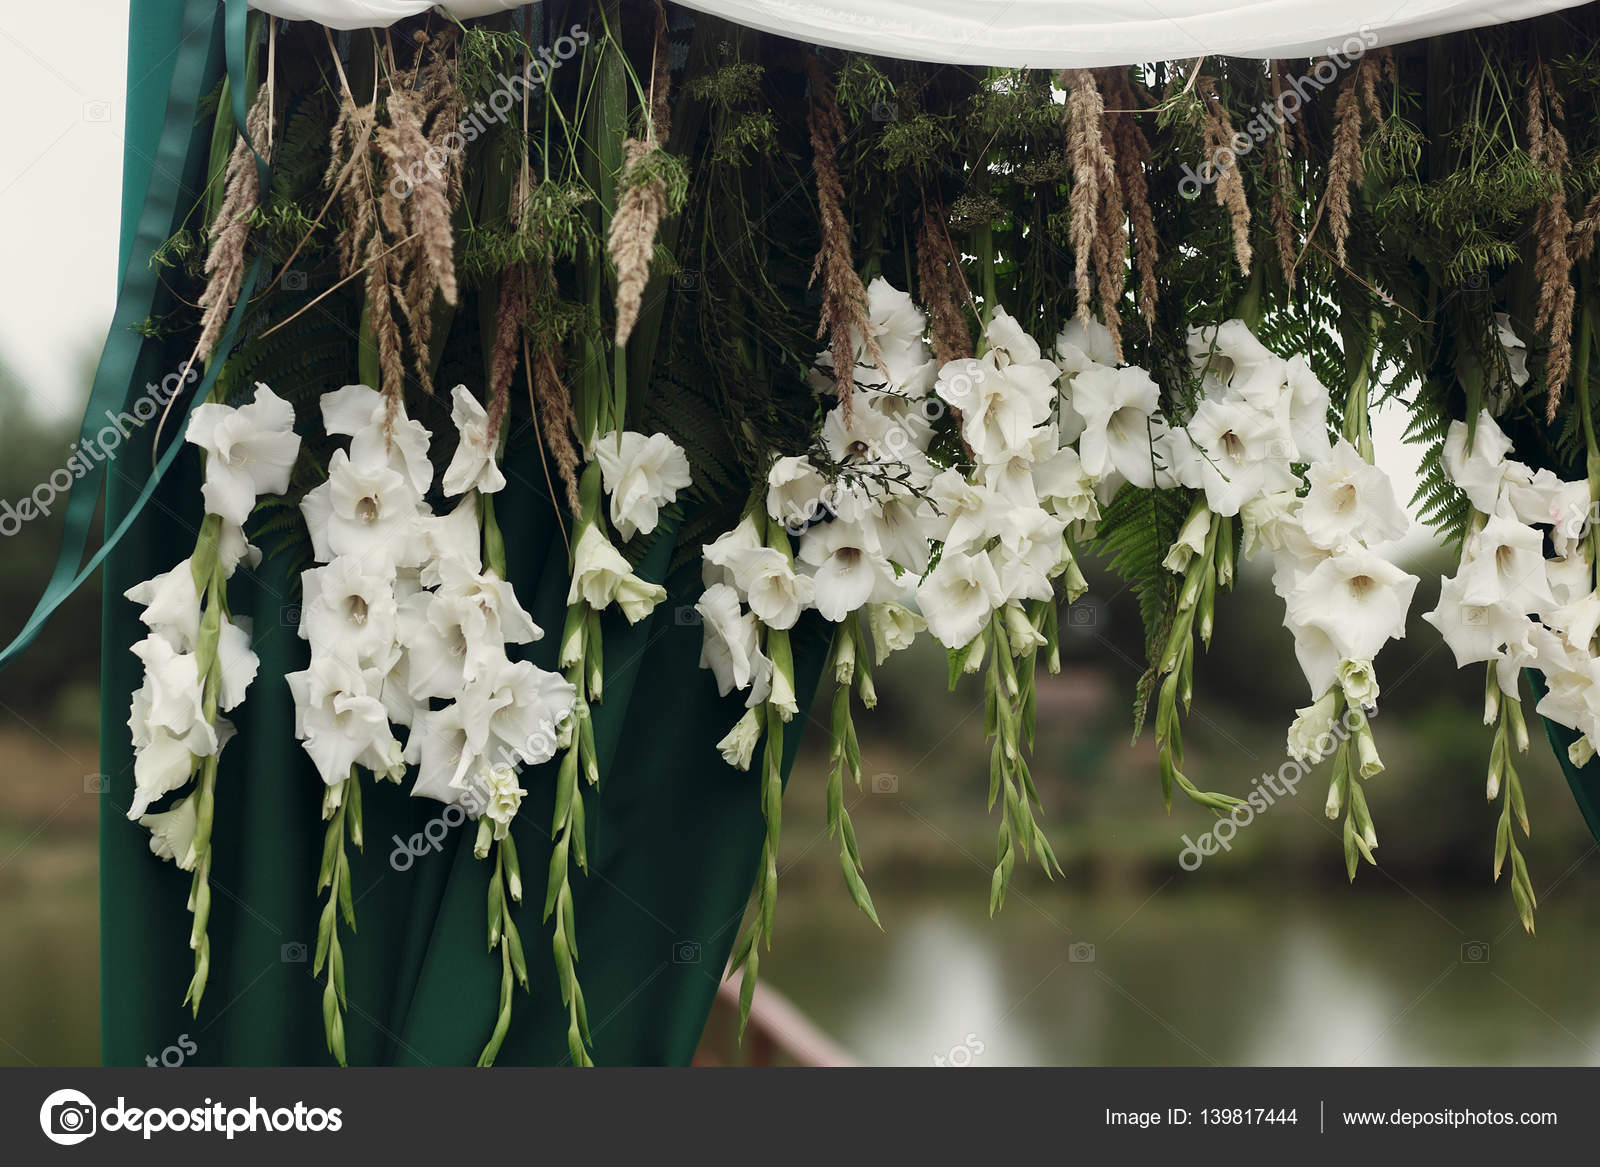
(67,1117)
(289,615)
(686,280)
(686,952)
(293,952)
(885,784)
(686,616)
(1084,614)
(1475,952)
(97,111)
(884,111)
(294,280)
(1081,953)
(95,783)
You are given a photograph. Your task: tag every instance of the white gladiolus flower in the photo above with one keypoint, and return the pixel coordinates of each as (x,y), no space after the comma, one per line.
(1063,486)
(967,515)
(1516,349)
(641,474)
(362,414)
(1350,499)
(718,556)
(1267,521)
(1011,477)
(730,644)
(1481,472)
(775,593)
(897,324)
(1191,541)
(894,627)
(341,723)
(440,744)
(1082,344)
(513,712)
(1357,599)
(902,531)
(453,538)
(502,798)
(1504,564)
(1569,576)
(348,609)
(172,833)
(958,596)
(1029,553)
(1121,427)
(1546,500)
(365,511)
(171,606)
(1000,405)
(508,621)
(170,698)
(1311,735)
(1234,364)
(1360,683)
(796,492)
(738,745)
(1308,412)
(250,451)
(849,563)
(473,467)
(233,549)
(601,576)
(452,644)
(1240,453)
(1474,632)
(236,662)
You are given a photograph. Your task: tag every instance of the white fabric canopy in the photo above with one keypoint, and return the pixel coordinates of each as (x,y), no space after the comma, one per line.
(1044,34)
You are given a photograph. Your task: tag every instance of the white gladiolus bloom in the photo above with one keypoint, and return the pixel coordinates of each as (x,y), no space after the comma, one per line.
(1357,599)
(1267,521)
(1481,472)
(1029,553)
(1000,405)
(1504,564)
(514,712)
(1082,344)
(894,627)
(958,596)
(172,833)
(796,492)
(718,556)
(236,662)
(730,643)
(1311,735)
(738,745)
(1121,427)
(1573,698)
(250,451)
(1516,349)
(341,723)
(440,745)
(362,414)
(967,514)
(897,324)
(1546,500)
(1474,632)
(452,538)
(1308,412)
(902,531)
(775,593)
(642,473)
(1350,499)
(1191,541)
(473,467)
(171,606)
(368,511)
(1240,453)
(1360,683)
(1011,477)
(508,621)
(348,609)
(233,549)
(1569,575)
(601,576)
(849,562)
(502,797)
(1063,486)
(1234,364)
(167,721)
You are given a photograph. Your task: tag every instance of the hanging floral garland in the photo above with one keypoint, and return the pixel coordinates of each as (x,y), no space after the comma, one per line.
(890,349)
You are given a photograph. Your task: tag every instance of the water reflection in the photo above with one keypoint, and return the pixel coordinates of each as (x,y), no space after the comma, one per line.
(1225,976)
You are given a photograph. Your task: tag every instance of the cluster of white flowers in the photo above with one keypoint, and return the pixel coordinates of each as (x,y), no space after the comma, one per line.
(403,611)
(197,658)
(1512,604)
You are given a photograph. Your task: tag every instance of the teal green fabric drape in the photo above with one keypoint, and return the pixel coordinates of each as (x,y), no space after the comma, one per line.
(674,833)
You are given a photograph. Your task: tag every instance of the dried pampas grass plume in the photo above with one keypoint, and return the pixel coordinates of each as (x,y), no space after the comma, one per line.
(1282,216)
(643,203)
(1094,178)
(1131,149)
(1219,135)
(1345,168)
(844,297)
(938,274)
(1552,267)
(231,228)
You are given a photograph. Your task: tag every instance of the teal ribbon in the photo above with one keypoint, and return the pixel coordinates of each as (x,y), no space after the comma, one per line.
(137,296)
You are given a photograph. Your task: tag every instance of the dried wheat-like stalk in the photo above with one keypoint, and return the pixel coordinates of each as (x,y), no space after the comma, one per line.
(427,207)
(844,297)
(1547,147)
(553,414)
(1584,230)
(508,323)
(643,203)
(1282,216)
(231,228)
(1093,172)
(1219,134)
(1131,149)
(938,273)
(1345,168)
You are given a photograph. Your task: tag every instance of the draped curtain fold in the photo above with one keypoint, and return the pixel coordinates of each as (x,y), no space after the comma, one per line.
(674,833)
